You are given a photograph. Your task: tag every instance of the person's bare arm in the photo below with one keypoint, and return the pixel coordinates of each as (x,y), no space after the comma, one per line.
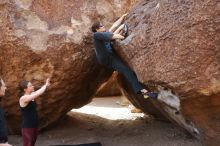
(117,36)
(27,98)
(117,23)
(119,29)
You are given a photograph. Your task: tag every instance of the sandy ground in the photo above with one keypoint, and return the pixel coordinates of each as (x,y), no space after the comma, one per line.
(105,121)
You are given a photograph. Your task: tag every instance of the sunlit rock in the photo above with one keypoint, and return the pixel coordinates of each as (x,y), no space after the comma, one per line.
(174,47)
(41,39)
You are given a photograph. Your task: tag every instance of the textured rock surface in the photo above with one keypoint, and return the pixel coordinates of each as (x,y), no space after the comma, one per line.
(176,44)
(109,88)
(173,46)
(41,39)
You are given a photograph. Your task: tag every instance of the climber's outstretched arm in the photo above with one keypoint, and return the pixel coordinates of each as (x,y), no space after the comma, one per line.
(117,23)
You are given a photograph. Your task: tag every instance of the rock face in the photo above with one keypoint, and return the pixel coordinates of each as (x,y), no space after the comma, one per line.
(109,88)
(41,39)
(174,47)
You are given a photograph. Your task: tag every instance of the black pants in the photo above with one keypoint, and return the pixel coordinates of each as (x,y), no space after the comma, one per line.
(3,127)
(115,63)
(3,139)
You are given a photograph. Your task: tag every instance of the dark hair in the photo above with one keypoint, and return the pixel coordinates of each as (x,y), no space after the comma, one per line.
(22,85)
(95,26)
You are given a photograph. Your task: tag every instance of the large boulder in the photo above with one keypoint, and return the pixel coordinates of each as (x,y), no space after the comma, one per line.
(109,88)
(41,39)
(174,47)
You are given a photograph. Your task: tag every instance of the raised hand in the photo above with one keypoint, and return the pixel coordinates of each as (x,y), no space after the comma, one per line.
(124,15)
(48,82)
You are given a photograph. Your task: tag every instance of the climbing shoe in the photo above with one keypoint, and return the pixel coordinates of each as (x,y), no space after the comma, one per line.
(152,95)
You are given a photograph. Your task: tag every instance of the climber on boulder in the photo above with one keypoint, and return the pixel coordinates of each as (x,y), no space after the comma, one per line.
(106,56)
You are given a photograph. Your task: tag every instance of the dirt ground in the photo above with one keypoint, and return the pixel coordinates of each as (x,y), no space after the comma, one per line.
(107,122)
